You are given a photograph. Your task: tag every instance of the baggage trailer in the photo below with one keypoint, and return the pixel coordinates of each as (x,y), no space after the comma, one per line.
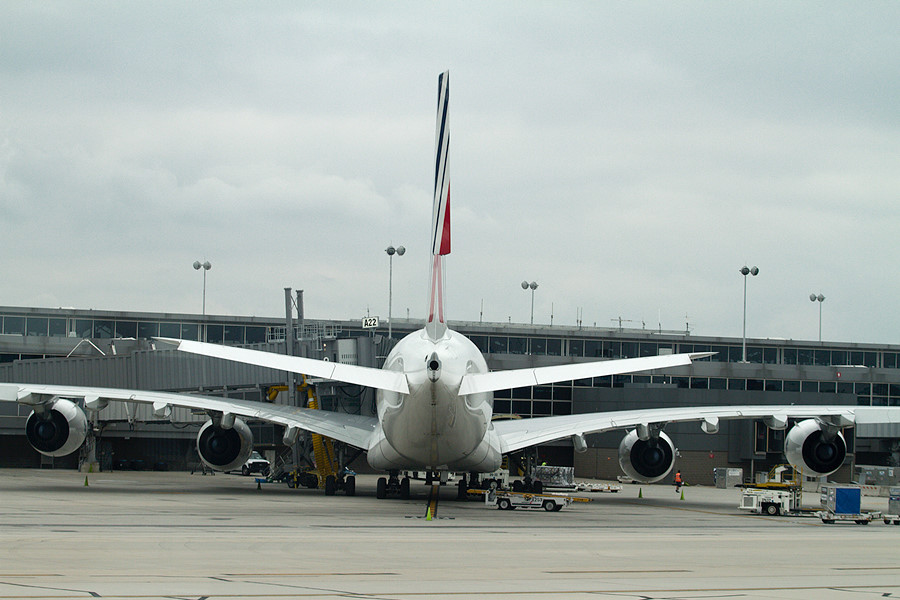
(843,504)
(893,512)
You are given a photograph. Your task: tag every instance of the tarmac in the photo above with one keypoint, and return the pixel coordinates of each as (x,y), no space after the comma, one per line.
(177,535)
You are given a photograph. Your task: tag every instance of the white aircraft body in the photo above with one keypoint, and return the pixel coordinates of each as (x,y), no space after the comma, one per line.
(434,399)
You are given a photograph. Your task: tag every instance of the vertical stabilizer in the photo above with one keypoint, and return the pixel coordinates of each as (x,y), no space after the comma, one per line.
(436,326)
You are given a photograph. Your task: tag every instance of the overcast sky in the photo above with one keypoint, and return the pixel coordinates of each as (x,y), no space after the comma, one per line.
(628,157)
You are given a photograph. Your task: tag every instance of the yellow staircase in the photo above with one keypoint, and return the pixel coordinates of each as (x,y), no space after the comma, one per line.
(323,448)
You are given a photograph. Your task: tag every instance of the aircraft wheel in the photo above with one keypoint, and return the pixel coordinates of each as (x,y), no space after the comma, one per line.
(549,505)
(461,490)
(350,486)
(404,488)
(504,504)
(381,488)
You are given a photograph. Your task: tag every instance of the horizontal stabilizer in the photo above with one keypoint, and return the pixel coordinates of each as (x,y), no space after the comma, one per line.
(504,380)
(393,381)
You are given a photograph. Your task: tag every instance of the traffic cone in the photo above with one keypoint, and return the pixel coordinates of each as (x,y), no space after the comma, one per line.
(641,493)
(682,494)
(85,481)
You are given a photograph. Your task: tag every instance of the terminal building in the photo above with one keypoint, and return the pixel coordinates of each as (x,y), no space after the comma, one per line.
(116,349)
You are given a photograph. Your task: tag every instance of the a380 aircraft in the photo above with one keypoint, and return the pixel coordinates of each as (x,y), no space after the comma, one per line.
(434,399)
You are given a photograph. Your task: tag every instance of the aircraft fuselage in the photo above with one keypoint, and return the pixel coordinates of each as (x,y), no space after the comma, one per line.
(433,427)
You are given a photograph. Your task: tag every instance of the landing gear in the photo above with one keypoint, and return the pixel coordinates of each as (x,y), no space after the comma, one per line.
(462,490)
(392,485)
(404,488)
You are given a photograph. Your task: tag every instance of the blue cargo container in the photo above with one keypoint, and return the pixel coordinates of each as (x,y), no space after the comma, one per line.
(843,500)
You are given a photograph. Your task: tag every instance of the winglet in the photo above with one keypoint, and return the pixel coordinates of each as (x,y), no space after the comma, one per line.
(436,326)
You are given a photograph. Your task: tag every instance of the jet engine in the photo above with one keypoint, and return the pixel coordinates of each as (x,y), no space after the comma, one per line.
(646,460)
(56,428)
(224,448)
(815,448)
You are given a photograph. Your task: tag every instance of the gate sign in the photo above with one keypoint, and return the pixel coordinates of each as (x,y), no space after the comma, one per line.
(370,322)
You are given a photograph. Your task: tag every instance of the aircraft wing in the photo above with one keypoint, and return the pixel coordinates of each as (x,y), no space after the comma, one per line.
(376,378)
(517,434)
(355,430)
(504,380)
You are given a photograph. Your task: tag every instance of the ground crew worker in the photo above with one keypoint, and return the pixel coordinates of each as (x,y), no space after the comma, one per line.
(678,481)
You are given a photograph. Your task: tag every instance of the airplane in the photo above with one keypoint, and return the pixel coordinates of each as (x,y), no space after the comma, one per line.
(434,400)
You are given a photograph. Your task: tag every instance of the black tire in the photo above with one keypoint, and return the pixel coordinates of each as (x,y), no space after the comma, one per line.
(557,508)
(828,521)
(504,504)
(771,509)
(462,490)
(381,488)
(245,470)
(537,487)
(350,486)
(311,481)
(518,486)
(330,485)
(549,505)
(404,488)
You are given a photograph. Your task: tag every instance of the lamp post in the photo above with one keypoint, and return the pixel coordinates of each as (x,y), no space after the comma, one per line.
(399,251)
(820,299)
(746,271)
(533,285)
(206,267)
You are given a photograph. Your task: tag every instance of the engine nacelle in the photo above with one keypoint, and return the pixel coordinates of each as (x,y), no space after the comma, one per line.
(225,449)
(646,460)
(57,428)
(810,448)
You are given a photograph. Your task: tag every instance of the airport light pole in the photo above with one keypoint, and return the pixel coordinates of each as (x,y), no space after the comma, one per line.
(399,251)
(206,266)
(533,286)
(820,299)
(746,271)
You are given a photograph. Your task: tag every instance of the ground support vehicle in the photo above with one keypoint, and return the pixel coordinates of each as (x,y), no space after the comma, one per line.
(506,500)
(768,501)
(255,464)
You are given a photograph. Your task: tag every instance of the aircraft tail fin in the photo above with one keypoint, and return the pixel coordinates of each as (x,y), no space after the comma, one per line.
(436,326)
